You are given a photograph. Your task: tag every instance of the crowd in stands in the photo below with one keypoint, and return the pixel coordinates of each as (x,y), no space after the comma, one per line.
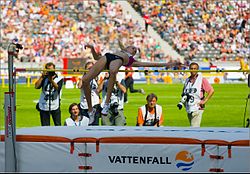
(201,28)
(53,30)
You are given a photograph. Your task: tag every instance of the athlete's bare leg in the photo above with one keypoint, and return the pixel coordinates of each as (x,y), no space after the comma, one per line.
(114,68)
(93,72)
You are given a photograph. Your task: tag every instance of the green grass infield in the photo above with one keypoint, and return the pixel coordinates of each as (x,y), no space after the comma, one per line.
(225,109)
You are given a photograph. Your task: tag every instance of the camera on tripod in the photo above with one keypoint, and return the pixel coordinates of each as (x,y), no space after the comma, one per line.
(183,100)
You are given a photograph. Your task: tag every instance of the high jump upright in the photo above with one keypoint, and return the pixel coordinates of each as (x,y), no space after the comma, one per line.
(10,110)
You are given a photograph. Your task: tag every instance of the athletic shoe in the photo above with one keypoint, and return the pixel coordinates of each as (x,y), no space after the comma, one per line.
(92,116)
(142,91)
(105,109)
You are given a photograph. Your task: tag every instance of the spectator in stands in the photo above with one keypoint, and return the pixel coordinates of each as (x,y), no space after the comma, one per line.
(115,115)
(49,102)
(193,95)
(147,20)
(151,113)
(207,20)
(112,61)
(63,33)
(95,98)
(76,119)
(129,82)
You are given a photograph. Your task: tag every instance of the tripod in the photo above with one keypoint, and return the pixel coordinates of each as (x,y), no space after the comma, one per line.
(248,120)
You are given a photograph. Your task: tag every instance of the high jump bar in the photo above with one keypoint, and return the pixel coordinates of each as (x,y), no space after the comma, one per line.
(145,71)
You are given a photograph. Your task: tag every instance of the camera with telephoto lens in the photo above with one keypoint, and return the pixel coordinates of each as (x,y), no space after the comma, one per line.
(150,122)
(50,73)
(19,46)
(114,108)
(182,101)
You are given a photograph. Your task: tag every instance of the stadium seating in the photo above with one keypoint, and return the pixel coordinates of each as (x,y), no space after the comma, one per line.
(190,14)
(60,29)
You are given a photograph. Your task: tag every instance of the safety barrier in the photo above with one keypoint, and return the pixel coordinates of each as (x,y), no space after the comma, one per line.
(131,149)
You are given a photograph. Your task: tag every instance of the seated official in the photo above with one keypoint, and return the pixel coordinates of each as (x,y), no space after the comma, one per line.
(75,118)
(151,113)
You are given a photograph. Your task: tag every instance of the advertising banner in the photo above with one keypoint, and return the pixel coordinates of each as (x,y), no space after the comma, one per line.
(150,158)
(130,149)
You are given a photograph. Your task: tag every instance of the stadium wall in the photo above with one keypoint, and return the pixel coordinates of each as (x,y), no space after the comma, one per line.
(139,77)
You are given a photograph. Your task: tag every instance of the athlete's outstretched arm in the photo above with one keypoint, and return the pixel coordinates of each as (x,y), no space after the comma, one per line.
(121,44)
(95,55)
(153,64)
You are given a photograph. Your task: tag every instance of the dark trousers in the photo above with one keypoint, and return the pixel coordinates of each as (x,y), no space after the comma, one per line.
(129,85)
(45,117)
(146,26)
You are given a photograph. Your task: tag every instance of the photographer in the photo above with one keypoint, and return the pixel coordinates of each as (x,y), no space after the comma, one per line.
(49,102)
(193,97)
(151,113)
(115,115)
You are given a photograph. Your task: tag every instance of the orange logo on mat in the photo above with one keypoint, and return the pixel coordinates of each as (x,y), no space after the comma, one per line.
(185,160)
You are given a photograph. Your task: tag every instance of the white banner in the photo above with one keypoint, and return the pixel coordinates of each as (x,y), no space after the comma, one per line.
(130,149)
(149,158)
